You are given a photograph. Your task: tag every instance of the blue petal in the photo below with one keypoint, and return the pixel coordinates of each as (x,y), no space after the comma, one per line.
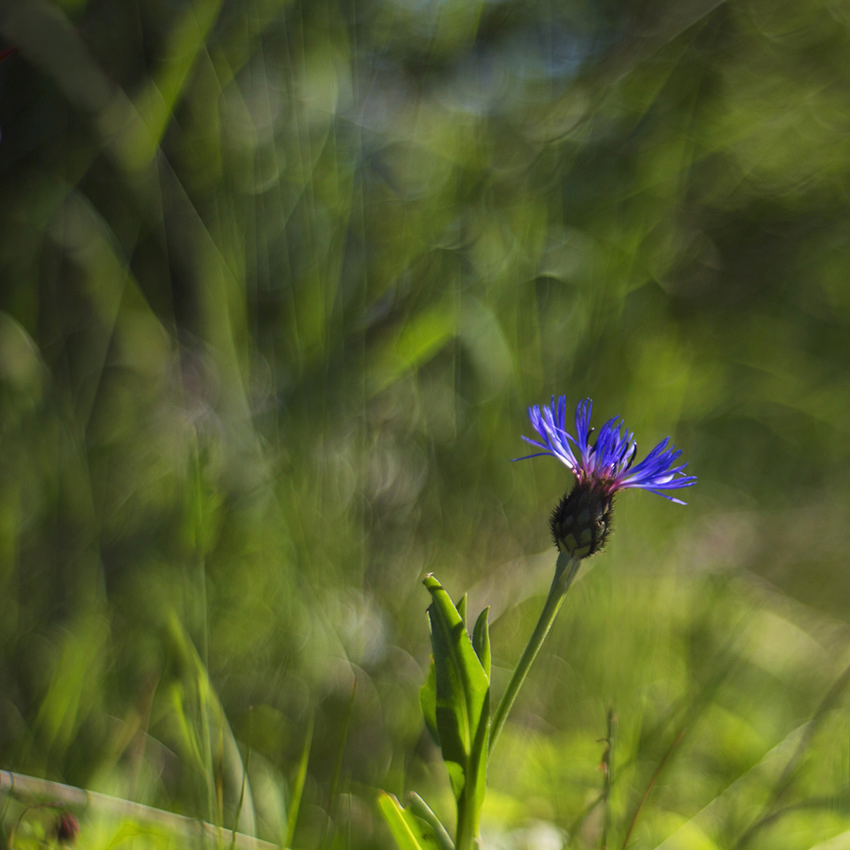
(609,460)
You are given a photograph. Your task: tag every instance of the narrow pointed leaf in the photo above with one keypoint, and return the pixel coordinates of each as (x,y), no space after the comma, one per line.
(428,702)
(422,810)
(409,831)
(298,786)
(481,640)
(461,607)
(463,703)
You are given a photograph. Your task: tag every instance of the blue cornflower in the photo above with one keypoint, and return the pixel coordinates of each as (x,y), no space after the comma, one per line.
(582,519)
(608,462)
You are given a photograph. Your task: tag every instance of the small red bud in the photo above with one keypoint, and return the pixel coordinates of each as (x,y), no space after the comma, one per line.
(67,828)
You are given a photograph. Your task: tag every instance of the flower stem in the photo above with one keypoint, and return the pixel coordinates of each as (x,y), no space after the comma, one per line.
(466,831)
(565,571)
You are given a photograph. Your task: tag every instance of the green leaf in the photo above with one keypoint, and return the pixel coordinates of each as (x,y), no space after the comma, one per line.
(428,702)
(409,832)
(422,810)
(481,640)
(461,608)
(463,707)
(298,786)
(422,337)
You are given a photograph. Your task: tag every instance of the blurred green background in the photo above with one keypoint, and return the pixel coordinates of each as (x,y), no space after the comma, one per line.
(278,282)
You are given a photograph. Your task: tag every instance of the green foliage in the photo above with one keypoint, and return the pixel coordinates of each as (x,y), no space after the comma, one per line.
(460,705)
(279,279)
(481,641)
(409,832)
(415,827)
(428,702)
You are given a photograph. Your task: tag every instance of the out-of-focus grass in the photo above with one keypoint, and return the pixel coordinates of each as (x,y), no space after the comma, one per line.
(279,279)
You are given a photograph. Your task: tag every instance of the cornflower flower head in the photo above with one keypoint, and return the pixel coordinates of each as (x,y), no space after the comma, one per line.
(582,520)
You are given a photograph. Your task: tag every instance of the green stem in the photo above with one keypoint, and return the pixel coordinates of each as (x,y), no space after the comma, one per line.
(466,832)
(565,572)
